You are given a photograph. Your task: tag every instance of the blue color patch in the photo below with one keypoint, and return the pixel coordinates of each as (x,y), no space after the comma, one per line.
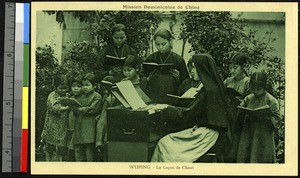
(26,22)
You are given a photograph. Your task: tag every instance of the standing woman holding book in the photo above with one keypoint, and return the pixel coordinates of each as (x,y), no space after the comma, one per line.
(161,83)
(117,50)
(210,112)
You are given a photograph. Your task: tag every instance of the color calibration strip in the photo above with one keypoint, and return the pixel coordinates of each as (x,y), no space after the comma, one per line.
(15,91)
(25,94)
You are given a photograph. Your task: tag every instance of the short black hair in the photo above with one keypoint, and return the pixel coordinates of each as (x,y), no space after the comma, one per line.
(239,59)
(90,77)
(132,61)
(76,79)
(60,78)
(117,28)
(258,79)
(164,33)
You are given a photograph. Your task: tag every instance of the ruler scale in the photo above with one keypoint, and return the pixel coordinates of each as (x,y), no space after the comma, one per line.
(18,84)
(8,87)
(15,88)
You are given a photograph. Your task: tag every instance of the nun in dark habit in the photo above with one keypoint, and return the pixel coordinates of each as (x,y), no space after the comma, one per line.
(210,113)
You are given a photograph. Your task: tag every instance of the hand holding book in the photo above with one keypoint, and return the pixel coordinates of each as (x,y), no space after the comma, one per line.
(257,112)
(70,102)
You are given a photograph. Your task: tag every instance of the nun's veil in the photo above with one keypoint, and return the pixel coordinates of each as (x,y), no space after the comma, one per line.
(218,108)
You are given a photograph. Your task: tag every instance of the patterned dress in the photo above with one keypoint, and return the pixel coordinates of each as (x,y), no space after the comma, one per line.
(56,122)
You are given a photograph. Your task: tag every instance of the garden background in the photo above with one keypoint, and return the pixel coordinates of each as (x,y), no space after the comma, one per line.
(70,41)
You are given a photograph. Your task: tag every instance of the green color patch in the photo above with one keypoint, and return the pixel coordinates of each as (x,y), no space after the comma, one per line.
(26,65)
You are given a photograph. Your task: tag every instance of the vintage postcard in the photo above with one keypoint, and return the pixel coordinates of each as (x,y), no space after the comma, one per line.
(164,88)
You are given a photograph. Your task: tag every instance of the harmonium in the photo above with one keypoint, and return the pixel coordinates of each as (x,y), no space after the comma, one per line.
(132,130)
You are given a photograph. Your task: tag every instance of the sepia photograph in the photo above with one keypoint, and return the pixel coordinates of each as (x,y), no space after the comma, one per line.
(162,88)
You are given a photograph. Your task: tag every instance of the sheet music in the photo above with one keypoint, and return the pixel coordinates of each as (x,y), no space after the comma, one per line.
(190,93)
(130,94)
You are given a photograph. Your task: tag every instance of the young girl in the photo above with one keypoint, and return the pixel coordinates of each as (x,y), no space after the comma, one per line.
(85,124)
(238,80)
(162,83)
(131,70)
(76,91)
(257,137)
(56,123)
(118,49)
(194,81)
(209,112)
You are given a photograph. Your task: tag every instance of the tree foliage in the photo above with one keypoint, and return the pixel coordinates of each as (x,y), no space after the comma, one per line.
(218,34)
(139,25)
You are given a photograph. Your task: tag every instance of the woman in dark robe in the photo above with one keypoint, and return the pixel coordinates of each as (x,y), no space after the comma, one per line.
(117,49)
(209,111)
(161,83)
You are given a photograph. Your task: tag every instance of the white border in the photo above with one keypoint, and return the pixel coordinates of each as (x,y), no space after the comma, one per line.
(291,113)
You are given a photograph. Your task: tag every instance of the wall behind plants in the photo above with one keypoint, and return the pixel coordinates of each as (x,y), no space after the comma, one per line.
(75,30)
(49,33)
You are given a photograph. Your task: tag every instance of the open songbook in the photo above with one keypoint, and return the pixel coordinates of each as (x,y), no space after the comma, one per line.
(113,60)
(71,102)
(261,111)
(130,95)
(186,97)
(148,67)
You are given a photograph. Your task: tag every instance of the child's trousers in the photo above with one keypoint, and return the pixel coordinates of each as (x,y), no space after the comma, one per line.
(85,152)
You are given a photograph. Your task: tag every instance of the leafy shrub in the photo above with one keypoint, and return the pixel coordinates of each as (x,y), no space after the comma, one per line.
(218,34)
(46,68)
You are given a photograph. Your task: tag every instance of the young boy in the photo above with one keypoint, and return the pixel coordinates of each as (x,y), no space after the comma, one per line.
(76,91)
(257,135)
(85,124)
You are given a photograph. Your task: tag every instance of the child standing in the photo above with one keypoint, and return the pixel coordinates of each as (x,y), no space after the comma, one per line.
(85,124)
(238,80)
(165,82)
(131,70)
(257,137)
(76,91)
(119,49)
(56,123)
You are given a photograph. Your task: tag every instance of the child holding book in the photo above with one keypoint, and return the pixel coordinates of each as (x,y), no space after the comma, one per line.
(117,50)
(238,81)
(85,124)
(165,82)
(56,123)
(131,71)
(76,91)
(257,135)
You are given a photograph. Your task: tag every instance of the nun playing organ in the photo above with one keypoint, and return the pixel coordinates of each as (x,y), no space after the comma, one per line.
(210,113)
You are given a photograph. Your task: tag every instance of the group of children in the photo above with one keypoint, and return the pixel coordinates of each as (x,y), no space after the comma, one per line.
(78,131)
